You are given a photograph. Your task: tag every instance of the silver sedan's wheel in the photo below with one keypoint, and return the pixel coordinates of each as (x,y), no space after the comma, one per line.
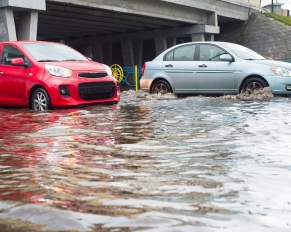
(253,84)
(40,100)
(161,87)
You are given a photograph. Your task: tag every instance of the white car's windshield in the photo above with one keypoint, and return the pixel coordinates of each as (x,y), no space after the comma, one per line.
(50,52)
(243,52)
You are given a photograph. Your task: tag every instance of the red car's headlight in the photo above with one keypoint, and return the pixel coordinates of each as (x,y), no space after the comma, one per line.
(108,70)
(58,71)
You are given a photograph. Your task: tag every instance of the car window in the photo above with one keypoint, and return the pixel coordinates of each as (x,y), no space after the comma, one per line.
(210,52)
(10,52)
(184,53)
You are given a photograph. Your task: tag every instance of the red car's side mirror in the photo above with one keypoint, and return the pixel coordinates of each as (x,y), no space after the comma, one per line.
(18,62)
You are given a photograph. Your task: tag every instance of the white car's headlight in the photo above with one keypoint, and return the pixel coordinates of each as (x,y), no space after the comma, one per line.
(281,71)
(108,70)
(58,71)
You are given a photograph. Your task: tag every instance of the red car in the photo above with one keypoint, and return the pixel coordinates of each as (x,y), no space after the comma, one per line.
(46,75)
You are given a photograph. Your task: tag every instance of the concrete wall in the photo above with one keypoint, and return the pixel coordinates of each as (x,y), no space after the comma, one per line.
(262,34)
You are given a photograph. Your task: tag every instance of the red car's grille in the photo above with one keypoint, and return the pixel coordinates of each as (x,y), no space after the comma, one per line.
(93,75)
(96,90)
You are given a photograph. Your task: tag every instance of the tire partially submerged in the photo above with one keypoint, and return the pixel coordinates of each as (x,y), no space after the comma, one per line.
(40,100)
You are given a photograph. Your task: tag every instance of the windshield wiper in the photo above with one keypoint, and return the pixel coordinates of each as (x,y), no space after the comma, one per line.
(253,59)
(72,60)
(48,60)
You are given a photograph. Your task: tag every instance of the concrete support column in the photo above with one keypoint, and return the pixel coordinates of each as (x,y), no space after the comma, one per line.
(209,37)
(88,51)
(7,25)
(138,49)
(171,42)
(198,37)
(28,25)
(97,52)
(107,53)
(160,44)
(127,52)
(212,19)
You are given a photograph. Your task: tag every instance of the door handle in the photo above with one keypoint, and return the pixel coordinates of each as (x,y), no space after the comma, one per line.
(1,73)
(202,66)
(168,65)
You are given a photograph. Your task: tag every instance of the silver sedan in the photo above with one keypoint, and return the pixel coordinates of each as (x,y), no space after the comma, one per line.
(214,68)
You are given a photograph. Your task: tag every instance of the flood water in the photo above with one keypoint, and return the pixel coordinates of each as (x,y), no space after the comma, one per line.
(148,164)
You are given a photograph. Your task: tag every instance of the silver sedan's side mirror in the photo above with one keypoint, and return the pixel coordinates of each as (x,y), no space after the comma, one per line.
(226,57)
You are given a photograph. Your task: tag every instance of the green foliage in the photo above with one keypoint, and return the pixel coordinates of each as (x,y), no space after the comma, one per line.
(283,19)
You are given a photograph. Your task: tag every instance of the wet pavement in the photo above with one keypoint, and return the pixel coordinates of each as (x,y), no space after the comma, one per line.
(148,164)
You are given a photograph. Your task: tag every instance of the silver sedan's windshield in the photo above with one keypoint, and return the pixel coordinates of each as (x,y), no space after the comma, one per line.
(50,52)
(243,52)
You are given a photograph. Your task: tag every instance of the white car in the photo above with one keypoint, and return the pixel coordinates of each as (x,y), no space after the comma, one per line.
(214,68)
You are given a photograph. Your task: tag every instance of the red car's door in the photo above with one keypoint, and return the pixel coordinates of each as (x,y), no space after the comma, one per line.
(12,78)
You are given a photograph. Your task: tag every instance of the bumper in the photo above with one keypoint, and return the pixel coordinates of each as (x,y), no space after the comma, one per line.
(280,85)
(145,84)
(68,94)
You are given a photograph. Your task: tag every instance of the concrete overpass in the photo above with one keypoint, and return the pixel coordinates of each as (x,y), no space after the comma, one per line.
(127,32)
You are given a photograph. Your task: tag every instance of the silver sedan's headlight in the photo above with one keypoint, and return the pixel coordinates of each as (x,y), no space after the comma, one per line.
(281,71)
(58,71)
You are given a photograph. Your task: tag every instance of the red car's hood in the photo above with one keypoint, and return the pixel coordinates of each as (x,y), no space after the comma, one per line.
(79,65)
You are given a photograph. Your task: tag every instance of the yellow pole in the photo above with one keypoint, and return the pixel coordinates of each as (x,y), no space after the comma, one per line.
(136,78)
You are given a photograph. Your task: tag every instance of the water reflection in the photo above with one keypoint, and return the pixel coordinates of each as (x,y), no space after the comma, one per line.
(196,163)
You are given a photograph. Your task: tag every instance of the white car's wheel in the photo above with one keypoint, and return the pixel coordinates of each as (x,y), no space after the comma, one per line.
(161,87)
(253,84)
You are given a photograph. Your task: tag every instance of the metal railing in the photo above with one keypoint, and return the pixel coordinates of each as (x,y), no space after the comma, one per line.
(128,75)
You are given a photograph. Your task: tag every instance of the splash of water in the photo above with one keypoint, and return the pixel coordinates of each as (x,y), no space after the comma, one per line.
(131,94)
(258,94)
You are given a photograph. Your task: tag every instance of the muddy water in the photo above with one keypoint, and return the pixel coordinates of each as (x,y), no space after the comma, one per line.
(148,164)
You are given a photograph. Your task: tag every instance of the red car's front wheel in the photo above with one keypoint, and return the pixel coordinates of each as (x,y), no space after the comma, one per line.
(40,100)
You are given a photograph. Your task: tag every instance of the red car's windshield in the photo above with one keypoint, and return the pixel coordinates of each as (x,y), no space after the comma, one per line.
(50,52)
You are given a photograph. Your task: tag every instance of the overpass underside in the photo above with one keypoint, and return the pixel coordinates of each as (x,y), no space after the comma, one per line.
(127,32)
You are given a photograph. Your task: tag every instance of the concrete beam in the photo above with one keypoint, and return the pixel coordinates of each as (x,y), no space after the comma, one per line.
(28,25)
(89,14)
(143,35)
(150,8)
(236,9)
(7,25)
(25,4)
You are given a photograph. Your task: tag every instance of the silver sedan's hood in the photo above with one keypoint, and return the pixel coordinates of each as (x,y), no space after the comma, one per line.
(273,63)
